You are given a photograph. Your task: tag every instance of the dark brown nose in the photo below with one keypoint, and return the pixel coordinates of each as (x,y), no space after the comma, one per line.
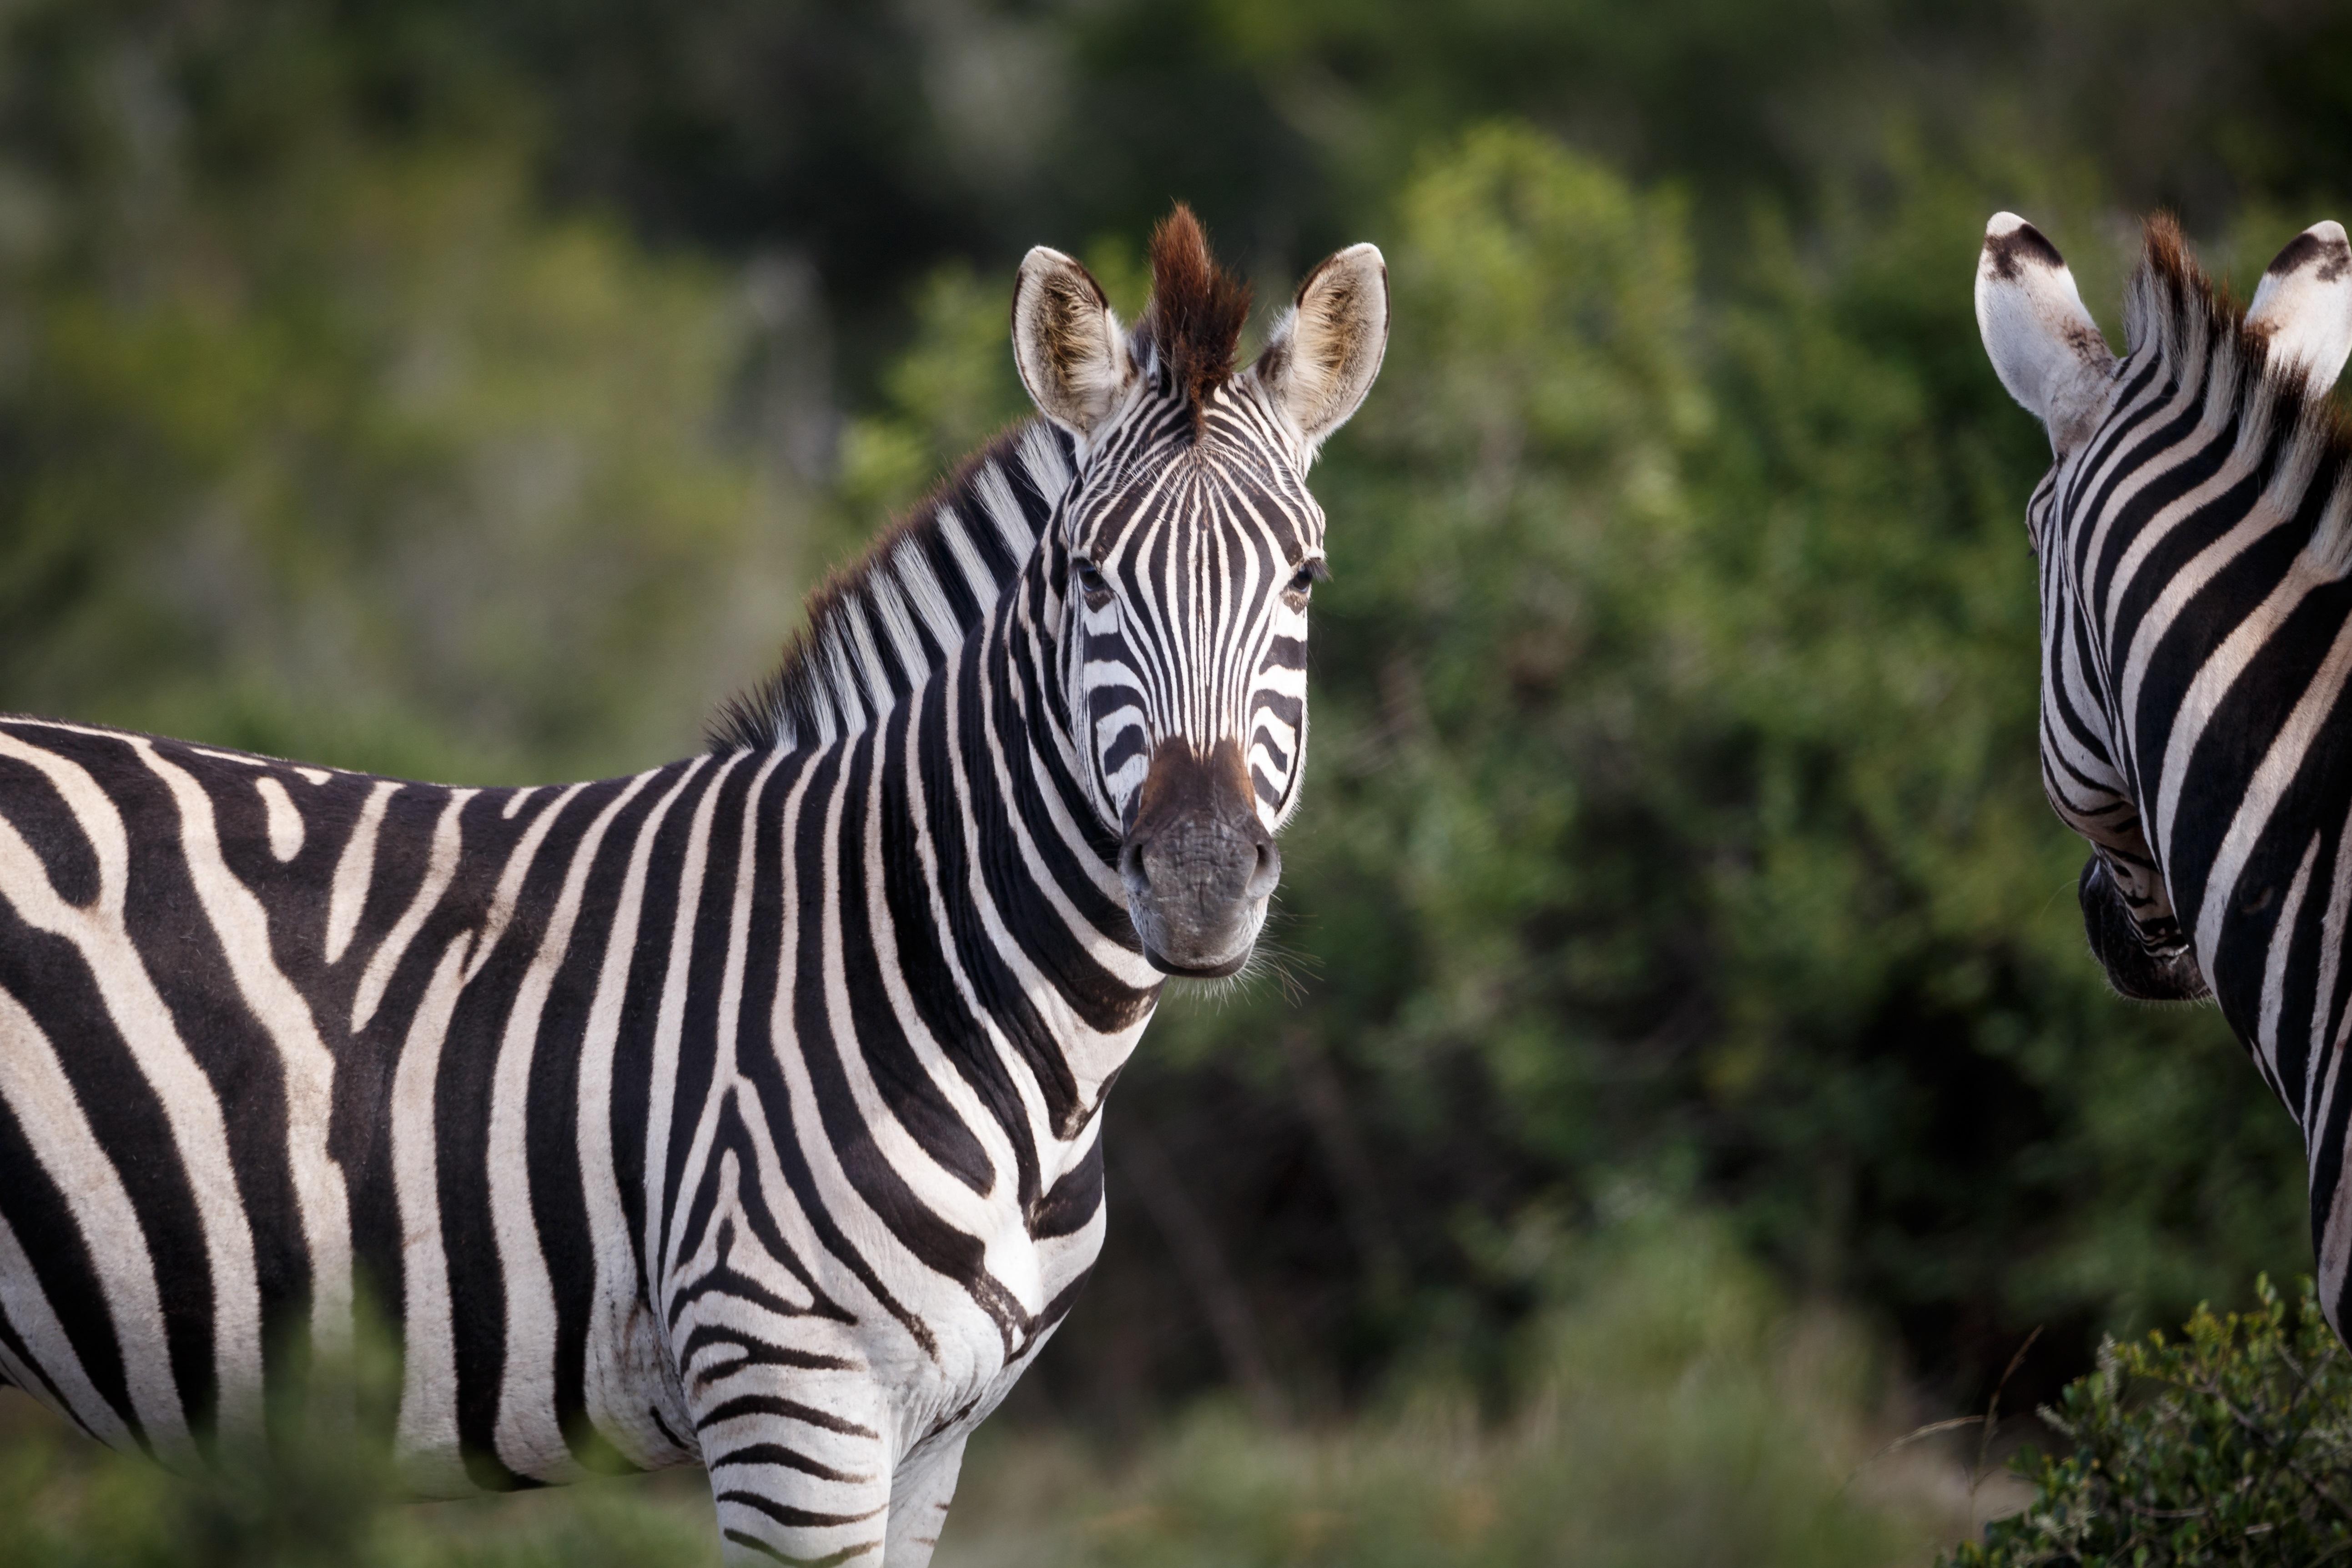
(1197,862)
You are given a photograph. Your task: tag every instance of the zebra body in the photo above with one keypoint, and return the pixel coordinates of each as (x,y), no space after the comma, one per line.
(743,1112)
(2195,543)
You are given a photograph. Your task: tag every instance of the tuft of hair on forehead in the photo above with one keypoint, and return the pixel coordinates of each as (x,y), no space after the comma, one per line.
(1194,321)
(2199,337)
(2169,272)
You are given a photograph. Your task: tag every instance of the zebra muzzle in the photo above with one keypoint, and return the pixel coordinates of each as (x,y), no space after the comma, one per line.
(2146,966)
(1197,863)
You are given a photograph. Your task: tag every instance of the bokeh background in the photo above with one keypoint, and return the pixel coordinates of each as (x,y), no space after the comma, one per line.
(1680,1074)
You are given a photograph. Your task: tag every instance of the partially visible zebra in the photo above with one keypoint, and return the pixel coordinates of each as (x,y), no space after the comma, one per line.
(746,1111)
(2195,538)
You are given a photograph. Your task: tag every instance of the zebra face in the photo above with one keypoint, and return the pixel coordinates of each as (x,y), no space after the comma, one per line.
(2052,358)
(1185,554)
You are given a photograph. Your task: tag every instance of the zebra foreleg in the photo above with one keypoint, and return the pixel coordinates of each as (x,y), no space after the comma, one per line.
(797,1481)
(919,1495)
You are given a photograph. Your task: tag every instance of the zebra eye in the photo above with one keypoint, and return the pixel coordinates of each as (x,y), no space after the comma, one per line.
(1303,581)
(1092,583)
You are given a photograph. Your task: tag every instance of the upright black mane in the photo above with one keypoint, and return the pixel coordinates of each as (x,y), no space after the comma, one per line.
(877,627)
(1192,326)
(2199,336)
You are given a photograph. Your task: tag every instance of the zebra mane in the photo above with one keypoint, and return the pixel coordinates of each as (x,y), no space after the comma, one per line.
(1193,323)
(877,628)
(2198,334)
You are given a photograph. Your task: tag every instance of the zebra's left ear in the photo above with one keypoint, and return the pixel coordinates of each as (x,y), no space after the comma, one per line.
(2304,305)
(2042,343)
(1324,351)
(1066,342)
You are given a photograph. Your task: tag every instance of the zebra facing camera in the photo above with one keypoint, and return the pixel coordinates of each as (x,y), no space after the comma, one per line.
(746,1112)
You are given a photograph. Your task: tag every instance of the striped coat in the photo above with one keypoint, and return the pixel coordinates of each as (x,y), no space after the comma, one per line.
(2195,542)
(745,1111)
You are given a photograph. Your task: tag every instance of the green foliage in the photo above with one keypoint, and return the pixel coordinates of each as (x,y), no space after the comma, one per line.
(2232,1444)
(1673,807)
(65,1505)
(324,1494)
(337,444)
(1672,1410)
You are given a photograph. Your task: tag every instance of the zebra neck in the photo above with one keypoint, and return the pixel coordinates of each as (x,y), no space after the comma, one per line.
(2211,559)
(1001,872)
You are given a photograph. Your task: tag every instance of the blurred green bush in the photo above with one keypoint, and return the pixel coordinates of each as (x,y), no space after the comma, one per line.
(2230,1445)
(322,440)
(1674,815)
(65,1504)
(1669,1408)
(1669,1405)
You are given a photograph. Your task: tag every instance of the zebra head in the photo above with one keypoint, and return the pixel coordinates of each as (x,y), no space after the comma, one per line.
(1184,553)
(2098,411)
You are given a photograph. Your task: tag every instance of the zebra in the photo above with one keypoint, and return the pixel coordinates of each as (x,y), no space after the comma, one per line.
(2194,536)
(747,1111)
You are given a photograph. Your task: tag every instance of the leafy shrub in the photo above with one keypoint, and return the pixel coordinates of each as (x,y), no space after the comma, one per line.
(325,1495)
(1669,1407)
(2230,1446)
(66,1503)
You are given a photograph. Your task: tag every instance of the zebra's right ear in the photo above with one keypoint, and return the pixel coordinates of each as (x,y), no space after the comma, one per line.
(2043,344)
(1321,357)
(1067,344)
(2304,305)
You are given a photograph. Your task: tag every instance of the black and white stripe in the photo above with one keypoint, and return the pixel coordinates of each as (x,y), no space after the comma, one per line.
(2194,544)
(744,1111)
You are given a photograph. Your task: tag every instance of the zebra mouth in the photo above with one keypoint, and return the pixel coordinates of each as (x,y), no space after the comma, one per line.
(1197,864)
(2145,967)
(1194,971)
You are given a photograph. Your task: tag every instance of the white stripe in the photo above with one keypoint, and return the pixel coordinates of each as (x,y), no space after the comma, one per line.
(2270,779)
(354,872)
(977,577)
(426,1435)
(285,822)
(669,1023)
(307,1068)
(42,1100)
(199,1130)
(1042,455)
(731,981)
(440,869)
(2332,920)
(625,1355)
(888,601)
(510,880)
(36,1322)
(528,1439)
(1003,508)
(913,568)
(865,660)
(2281,950)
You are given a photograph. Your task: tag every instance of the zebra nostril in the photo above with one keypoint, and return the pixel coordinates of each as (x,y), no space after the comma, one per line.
(1268,872)
(1130,866)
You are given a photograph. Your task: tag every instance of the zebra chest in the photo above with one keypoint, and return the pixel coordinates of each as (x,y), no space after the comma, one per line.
(891,1293)
(985,1325)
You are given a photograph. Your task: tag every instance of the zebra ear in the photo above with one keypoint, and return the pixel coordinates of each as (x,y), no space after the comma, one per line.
(2043,344)
(1322,356)
(1066,342)
(2304,305)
